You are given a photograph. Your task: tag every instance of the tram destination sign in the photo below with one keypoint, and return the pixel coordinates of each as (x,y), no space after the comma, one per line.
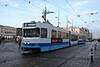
(29,24)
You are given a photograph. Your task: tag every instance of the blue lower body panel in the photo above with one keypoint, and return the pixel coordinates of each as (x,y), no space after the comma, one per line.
(54,47)
(74,44)
(45,47)
(81,42)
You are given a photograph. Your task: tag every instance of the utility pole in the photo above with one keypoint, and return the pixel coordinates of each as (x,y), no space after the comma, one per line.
(67,22)
(45,15)
(58,16)
(72,24)
(45,11)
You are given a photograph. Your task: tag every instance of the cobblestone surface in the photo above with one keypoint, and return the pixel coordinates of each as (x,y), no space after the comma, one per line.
(96,60)
(76,56)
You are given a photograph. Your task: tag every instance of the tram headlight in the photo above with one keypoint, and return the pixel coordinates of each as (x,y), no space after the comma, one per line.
(24,42)
(28,43)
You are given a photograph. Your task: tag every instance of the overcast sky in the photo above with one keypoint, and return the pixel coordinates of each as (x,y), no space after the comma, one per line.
(15,12)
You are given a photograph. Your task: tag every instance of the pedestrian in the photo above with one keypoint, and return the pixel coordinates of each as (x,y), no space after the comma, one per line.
(19,41)
(3,39)
(95,45)
(16,40)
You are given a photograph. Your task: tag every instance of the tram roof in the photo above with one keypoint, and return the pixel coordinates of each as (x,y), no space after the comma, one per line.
(45,25)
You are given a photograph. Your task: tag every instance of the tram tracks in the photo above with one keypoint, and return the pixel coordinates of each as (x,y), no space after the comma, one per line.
(61,56)
(72,57)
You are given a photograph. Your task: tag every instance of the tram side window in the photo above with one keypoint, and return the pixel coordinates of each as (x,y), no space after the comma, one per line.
(59,34)
(82,37)
(63,35)
(43,33)
(67,35)
(74,37)
(54,34)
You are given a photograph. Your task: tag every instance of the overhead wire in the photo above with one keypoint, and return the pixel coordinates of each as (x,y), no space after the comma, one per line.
(64,9)
(30,2)
(74,11)
(1,4)
(7,5)
(57,6)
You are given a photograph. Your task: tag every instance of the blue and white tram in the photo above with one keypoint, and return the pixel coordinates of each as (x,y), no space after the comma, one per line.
(82,38)
(73,37)
(43,37)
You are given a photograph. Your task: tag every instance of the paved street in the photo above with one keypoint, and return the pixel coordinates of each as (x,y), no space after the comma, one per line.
(76,56)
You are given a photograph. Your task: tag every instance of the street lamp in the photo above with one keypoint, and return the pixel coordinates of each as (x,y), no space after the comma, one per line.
(94,13)
(58,16)
(58,21)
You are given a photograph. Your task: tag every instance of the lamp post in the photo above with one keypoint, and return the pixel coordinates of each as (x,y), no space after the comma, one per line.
(58,16)
(72,25)
(67,22)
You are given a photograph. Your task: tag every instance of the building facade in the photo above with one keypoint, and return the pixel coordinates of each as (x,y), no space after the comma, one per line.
(7,31)
(82,30)
(1,30)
